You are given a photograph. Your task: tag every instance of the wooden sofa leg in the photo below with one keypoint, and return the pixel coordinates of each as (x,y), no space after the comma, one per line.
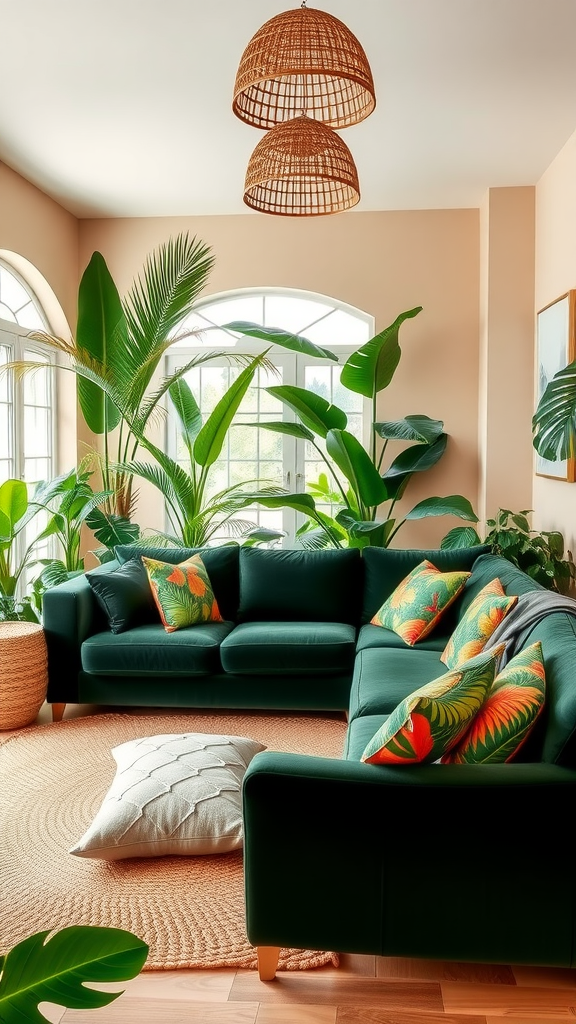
(267,962)
(57,712)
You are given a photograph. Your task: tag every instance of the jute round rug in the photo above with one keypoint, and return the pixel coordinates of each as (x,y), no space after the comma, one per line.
(190,910)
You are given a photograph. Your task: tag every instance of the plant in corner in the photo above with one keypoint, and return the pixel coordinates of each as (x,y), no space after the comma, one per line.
(56,967)
(365,495)
(540,555)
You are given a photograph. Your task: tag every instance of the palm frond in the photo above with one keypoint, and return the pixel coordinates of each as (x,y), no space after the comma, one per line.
(164,294)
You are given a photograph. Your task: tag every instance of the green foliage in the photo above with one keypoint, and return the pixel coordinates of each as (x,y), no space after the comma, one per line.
(354,482)
(540,555)
(16,513)
(56,969)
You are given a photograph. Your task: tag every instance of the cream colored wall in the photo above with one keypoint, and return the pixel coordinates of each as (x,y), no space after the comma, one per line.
(506,349)
(41,240)
(554,501)
(382,263)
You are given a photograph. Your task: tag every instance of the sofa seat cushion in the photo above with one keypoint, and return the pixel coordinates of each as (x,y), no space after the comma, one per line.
(150,650)
(359,734)
(288,648)
(384,677)
(378,636)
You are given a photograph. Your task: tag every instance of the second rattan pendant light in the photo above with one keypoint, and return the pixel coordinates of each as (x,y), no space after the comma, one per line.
(302,75)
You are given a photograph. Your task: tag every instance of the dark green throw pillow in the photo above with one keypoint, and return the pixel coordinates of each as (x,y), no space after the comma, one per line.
(125,596)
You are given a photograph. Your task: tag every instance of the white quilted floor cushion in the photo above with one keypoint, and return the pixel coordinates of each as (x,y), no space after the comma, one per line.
(172,794)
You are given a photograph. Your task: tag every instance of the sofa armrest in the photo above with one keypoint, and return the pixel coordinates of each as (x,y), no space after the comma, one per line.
(70,614)
(453,862)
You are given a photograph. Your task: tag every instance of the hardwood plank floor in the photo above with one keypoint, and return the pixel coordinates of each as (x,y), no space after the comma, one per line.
(362,990)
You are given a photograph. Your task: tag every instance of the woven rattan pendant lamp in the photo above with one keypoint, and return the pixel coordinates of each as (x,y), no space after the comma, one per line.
(304,59)
(301,168)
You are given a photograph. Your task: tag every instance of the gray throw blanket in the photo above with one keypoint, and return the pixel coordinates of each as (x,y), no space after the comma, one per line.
(529,609)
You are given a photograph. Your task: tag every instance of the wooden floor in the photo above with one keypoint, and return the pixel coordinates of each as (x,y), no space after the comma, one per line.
(362,990)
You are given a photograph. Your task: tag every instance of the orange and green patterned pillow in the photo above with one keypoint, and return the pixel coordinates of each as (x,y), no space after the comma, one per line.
(508,714)
(417,603)
(477,625)
(183,593)
(429,722)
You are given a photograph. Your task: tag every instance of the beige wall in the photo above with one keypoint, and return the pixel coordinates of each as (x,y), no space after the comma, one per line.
(554,502)
(382,263)
(41,240)
(506,347)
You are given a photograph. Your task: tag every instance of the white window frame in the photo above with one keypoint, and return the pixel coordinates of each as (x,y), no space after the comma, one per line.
(294,366)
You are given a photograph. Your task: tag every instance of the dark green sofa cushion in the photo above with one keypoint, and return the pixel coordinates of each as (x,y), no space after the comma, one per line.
(150,650)
(359,734)
(384,677)
(124,595)
(289,648)
(379,636)
(221,565)
(292,585)
(385,568)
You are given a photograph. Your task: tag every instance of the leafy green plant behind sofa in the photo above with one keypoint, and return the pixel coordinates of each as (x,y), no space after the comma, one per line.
(540,555)
(365,495)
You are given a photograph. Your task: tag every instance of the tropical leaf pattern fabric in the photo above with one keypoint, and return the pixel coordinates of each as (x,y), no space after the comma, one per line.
(430,721)
(419,600)
(477,625)
(183,593)
(514,702)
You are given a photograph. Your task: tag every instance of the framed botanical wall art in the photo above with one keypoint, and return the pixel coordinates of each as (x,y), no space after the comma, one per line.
(555,348)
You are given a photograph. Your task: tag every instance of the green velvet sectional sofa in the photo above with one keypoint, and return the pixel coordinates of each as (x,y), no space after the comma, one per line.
(458,862)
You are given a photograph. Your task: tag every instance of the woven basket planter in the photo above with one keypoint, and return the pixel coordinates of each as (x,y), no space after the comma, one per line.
(23,673)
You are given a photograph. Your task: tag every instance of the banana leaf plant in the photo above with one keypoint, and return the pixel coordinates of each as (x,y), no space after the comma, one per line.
(195,513)
(364,493)
(57,968)
(554,422)
(119,346)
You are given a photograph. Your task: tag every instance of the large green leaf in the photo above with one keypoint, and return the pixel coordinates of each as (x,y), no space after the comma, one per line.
(100,332)
(283,427)
(411,428)
(208,444)
(186,408)
(554,422)
(460,537)
(56,970)
(452,505)
(276,336)
(111,529)
(371,368)
(13,501)
(300,502)
(364,533)
(417,458)
(354,462)
(315,412)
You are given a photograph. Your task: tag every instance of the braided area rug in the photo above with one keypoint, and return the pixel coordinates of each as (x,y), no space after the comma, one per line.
(190,910)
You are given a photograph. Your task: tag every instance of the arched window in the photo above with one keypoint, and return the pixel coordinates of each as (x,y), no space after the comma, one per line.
(260,456)
(26,406)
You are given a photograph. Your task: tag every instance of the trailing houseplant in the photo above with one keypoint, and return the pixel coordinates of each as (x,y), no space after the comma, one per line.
(365,494)
(541,555)
(56,968)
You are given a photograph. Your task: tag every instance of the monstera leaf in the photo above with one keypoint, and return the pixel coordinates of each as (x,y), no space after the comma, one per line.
(56,969)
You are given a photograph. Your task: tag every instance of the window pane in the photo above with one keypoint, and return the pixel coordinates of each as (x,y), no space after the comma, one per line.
(6,313)
(29,317)
(36,383)
(292,313)
(5,432)
(36,470)
(11,291)
(36,432)
(339,328)
(6,471)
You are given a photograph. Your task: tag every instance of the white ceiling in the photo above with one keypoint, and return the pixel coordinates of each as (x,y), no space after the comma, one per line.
(123,107)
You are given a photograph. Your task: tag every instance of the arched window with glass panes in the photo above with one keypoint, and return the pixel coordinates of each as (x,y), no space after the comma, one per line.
(27,423)
(262,456)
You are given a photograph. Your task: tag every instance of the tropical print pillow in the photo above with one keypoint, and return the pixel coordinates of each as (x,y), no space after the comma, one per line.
(429,722)
(477,625)
(414,608)
(183,593)
(503,723)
